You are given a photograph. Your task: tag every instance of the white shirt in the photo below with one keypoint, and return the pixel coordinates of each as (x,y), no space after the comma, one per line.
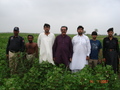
(81,49)
(45,44)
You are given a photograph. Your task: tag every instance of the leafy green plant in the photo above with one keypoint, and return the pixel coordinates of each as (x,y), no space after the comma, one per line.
(45,76)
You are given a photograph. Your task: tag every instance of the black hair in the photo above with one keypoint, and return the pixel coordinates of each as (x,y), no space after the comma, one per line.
(30,36)
(64,27)
(80,27)
(46,25)
(110,29)
(94,33)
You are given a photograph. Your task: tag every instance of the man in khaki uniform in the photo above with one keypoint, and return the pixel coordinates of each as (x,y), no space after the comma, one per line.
(14,47)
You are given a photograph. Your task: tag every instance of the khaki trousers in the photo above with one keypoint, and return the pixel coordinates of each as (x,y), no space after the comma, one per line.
(92,62)
(30,58)
(13,61)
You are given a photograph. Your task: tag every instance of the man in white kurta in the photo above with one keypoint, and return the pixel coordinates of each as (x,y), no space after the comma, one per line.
(81,50)
(45,43)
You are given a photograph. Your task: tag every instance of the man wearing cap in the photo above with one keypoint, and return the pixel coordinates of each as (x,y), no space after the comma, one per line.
(62,48)
(81,50)
(95,49)
(45,43)
(14,47)
(111,50)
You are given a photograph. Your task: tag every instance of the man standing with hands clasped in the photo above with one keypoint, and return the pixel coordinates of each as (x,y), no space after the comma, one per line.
(111,50)
(81,50)
(62,48)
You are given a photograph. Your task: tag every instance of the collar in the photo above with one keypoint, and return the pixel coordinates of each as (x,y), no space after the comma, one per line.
(64,35)
(15,36)
(80,36)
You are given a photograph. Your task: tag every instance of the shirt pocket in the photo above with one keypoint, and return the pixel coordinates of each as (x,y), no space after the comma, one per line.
(83,41)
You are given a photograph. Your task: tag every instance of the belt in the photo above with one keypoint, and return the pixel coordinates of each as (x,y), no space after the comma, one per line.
(111,49)
(13,51)
(29,53)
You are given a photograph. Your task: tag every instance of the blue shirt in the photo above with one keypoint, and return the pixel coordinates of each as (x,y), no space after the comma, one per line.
(95,48)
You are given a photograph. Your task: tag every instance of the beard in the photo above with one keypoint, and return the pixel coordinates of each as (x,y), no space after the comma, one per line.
(16,34)
(30,41)
(110,35)
(94,37)
(63,32)
(46,31)
(80,33)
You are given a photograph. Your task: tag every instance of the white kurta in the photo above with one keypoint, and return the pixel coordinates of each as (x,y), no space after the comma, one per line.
(45,44)
(81,49)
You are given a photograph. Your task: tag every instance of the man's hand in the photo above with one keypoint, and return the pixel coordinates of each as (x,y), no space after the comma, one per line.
(7,56)
(104,60)
(36,55)
(99,61)
(70,59)
(87,58)
(54,59)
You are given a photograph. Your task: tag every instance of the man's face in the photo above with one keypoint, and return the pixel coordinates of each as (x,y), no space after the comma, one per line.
(63,30)
(80,31)
(46,29)
(30,39)
(110,33)
(16,33)
(94,36)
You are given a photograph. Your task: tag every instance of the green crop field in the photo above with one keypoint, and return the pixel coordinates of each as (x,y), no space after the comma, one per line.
(46,76)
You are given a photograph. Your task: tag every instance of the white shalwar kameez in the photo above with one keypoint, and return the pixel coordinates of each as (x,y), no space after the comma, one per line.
(81,49)
(45,44)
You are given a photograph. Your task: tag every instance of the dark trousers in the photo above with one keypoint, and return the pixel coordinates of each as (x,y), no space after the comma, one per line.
(112,59)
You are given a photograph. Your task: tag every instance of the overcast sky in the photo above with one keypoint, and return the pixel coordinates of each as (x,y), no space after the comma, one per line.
(30,15)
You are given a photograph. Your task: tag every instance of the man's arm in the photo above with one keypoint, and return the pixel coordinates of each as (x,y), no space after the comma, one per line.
(103,48)
(7,48)
(53,39)
(39,41)
(71,49)
(22,45)
(117,45)
(88,48)
(54,48)
(100,46)
(25,47)
(36,49)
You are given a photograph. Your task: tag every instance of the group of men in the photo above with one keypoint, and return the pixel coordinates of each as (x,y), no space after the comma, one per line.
(74,53)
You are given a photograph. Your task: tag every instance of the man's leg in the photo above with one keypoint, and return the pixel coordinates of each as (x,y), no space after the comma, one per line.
(17,60)
(76,70)
(95,62)
(90,62)
(30,58)
(111,59)
(115,62)
(11,62)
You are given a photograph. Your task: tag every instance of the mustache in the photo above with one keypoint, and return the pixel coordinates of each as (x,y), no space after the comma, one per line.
(47,31)
(63,32)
